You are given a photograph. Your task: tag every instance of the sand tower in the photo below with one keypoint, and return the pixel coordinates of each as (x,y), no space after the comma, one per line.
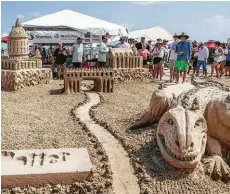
(20,70)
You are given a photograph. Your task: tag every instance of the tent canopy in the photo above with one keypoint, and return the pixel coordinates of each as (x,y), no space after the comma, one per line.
(77,21)
(152,34)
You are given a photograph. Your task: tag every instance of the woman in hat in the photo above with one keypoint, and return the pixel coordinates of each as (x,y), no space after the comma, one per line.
(158,54)
(183,50)
(217,59)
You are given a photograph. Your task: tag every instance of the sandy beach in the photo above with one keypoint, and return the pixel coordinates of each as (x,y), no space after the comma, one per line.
(40,117)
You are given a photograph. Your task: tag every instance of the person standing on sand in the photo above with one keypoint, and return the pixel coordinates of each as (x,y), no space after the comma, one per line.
(194,57)
(60,56)
(158,54)
(103,50)
(77,53)
(173,57)
(202,55)
(217,59)
(144,53)
(139,44)
(183,50)
(227,63)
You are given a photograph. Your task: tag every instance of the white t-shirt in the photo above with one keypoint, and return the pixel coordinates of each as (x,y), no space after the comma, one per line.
(218,55)
(173,54)
(77,52)
(223,58)
(203,53)
(103,49)
(160,52)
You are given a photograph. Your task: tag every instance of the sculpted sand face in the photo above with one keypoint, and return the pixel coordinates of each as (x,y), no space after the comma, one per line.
(181,136)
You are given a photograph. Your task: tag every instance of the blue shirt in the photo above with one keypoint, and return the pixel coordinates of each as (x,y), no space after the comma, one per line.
(228,55)
(184,47)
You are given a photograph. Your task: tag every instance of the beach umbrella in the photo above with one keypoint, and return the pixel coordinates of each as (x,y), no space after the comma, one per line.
(4,39)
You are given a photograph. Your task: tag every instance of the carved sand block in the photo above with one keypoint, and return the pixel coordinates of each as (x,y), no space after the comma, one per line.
(43,166)
(118,58)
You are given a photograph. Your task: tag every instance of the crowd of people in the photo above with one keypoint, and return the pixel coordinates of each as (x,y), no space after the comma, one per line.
(182,56)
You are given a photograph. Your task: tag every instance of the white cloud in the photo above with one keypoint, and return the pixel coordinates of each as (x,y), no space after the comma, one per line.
(145,3)
(218,21)
(34,14)
(217,26)
(4,34)
(20,16)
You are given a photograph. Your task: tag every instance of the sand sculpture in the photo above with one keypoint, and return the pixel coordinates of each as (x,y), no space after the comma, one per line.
(118,58)
(103,79)
(23,167)
(127,65)
(193,126)
(20,70)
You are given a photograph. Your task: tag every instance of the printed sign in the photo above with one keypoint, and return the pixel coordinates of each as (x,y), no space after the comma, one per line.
(39,37)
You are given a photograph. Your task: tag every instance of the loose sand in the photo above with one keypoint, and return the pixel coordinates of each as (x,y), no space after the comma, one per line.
(40,117)
(119,111)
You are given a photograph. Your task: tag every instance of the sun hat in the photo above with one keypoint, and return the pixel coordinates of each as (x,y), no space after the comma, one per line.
(175,35)
(183,34)
(122,38)
(159,41)
(195,42)
(165,40)
(201,43)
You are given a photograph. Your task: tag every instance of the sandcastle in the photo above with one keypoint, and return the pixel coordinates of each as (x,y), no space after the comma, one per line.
(20,70)
(103,79)
(121,58)
(127,65)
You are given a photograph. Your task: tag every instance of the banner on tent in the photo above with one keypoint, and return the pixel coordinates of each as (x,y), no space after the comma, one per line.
(43,37)
(55,37)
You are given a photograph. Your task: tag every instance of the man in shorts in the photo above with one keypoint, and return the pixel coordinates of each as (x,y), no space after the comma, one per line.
(173,56)
(183,50)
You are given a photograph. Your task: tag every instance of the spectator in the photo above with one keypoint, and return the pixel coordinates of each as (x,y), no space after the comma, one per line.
(223,58)
(122,44)
(173,57)
(77,53)
(165,42)
(144,53)
(43,54)
(194,56)
(183,50)
(202,57)
(103,50)
(60,58)
(139,45)
(217,59)
(132,45)
(158,54)
(227,64)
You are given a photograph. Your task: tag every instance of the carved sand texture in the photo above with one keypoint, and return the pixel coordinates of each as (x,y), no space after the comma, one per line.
(126,105)
(124,181)
(40,118)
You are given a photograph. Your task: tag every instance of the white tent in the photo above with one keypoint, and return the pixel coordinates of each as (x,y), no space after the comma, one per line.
(78,24)
(151,34)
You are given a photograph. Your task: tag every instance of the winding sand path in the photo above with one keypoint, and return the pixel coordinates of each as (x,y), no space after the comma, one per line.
(124,180)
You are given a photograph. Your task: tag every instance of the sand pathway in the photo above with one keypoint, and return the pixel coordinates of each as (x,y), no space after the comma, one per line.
(124,180)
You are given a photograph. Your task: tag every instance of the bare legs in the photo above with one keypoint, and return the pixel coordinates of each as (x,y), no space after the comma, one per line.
(172,74)
(215,66)
(58,71)
(159,70)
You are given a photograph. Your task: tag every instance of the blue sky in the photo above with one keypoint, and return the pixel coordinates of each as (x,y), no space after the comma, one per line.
(201,20)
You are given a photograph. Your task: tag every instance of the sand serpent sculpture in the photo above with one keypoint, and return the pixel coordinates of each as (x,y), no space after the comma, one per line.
(194,126)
